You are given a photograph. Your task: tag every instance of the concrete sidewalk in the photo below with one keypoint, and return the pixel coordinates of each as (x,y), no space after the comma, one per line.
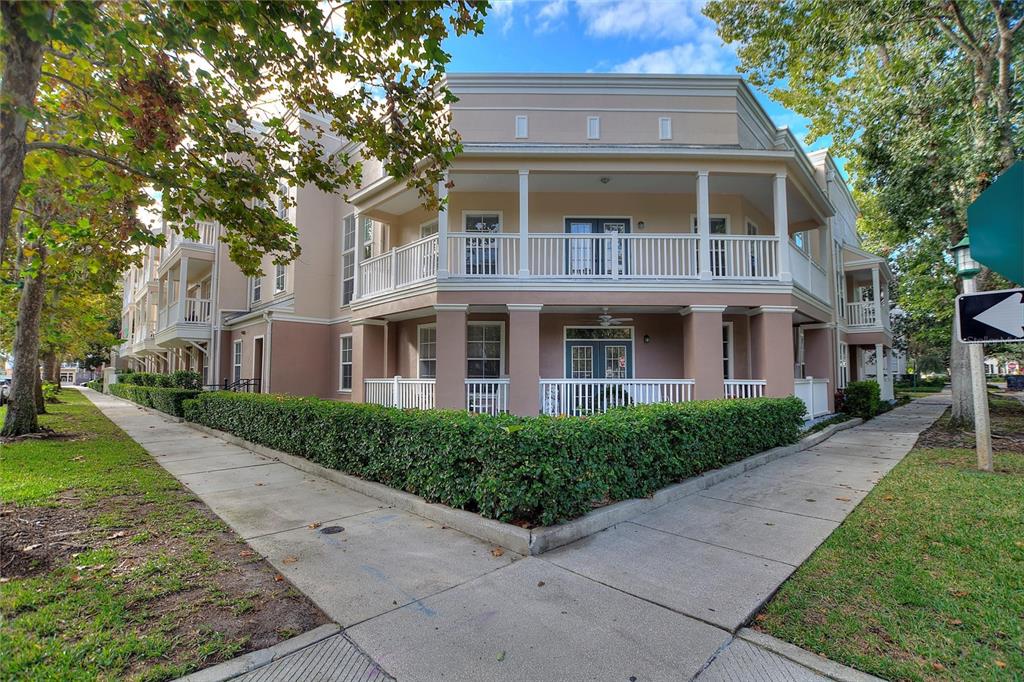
(658,597)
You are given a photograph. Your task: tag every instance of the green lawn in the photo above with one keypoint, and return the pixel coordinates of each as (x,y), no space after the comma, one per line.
(925,580)
(111,570)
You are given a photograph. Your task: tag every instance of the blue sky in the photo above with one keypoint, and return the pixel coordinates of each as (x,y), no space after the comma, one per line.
(603,36)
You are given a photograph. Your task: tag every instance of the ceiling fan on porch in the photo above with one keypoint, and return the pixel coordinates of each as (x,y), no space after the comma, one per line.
(606,320)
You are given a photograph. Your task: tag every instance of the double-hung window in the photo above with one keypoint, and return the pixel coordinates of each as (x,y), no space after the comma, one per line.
(256,286)
(279,278)
(348,258)
(282,204)
(483,350)
(481,254)
(427,345)
(345,363)
(367,241)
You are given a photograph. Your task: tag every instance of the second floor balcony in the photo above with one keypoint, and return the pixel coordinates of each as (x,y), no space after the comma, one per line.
(608,257)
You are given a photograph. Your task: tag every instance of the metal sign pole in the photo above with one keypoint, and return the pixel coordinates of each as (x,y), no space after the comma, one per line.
(979,389)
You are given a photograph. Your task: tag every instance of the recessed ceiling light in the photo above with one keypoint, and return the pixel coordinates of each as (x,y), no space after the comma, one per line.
(605,180)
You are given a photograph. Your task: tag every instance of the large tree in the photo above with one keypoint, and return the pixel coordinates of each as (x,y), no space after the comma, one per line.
(920,96)
(202,101)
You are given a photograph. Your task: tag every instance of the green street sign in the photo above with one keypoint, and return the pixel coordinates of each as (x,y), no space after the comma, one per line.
(995,223)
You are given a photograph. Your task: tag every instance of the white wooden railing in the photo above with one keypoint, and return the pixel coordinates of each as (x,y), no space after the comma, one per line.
(401,393)
(197,310)
(406,265)
(207,234)
(744,257)
(472,254)
(861,314)
(744,388)
(807,273)
(487,396)
(613,255)
(814,393)
(375,274)
(575,397)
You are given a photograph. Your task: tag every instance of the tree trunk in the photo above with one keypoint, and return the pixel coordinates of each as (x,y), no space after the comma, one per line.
(22,409)
(962,413)
(23,64)
(50,372)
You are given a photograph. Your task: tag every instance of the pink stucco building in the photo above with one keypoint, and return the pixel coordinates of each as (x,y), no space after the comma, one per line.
(606,239)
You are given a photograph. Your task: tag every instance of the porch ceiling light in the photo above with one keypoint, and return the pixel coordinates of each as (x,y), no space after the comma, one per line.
(605,180)
(966,266)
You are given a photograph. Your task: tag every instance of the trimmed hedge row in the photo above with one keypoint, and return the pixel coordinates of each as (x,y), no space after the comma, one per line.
(96,385)
(169,400)
(179,379)
(537,470)
(862,399)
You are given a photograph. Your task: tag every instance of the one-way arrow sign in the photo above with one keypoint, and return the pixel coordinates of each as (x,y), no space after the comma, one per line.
(991,316)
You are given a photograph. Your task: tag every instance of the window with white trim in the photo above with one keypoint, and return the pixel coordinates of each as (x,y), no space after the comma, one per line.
(593,127)
(727,350)
(752,228)
(236,361)
(719,223)
(367,233)
(427,347)
(348,258)
(256,287)
(282,204)
(522,127)
(345,363)
(428,228)
(484,350)
(279,278)
(664,128)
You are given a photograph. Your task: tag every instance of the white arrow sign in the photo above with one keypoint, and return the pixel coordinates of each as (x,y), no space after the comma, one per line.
(1006,316)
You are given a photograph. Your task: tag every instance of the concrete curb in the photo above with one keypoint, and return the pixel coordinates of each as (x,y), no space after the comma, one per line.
(819,664)
(257,659)
(523,540)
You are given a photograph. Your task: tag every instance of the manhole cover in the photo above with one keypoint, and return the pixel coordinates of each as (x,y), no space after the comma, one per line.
(331,530)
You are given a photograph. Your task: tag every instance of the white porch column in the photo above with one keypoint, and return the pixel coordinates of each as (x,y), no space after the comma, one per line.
(782,226)
(879,368)
(182,286)
(876,294)
(357,256)
(703,225)
(442,229)
(524,223)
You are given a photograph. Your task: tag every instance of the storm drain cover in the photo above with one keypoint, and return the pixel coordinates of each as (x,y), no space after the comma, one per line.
(331,530)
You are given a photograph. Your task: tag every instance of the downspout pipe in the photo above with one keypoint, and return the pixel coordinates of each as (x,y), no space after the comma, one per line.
(265,384)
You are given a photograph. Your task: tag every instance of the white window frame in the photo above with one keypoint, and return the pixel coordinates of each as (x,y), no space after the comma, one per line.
(425,226)
(665,128)
(282,207)
(256,289)
(501,360)
(345,252)
(501,221)
(522,129)
(367,237)
(731,357)
(593,127)
(712,216)
(236,360)
(280,278)
(748,223)
(342,363)
(419,357)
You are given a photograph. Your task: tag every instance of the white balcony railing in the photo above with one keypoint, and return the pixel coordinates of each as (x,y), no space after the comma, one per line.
(487,396)
(406,265)
(613,255)
(207,235)
(744,257)
(808,274)
(576,397)
(861,314)
(197,310)
(401,393)
(475,255)
(744,388)
(814,393)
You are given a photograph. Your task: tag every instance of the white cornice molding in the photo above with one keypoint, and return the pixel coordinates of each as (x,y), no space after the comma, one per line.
(451,307)
(776,309)
(524,307)
(368,322)
(699,308)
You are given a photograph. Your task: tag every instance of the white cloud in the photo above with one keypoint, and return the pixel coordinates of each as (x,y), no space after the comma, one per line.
(550,14)
(502,12)
(641,18)
(705,54)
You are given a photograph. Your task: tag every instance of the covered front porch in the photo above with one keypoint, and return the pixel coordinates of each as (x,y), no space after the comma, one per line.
(575,360)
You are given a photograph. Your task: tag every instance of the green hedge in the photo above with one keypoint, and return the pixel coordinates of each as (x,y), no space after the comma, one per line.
(862,399)
(180,379)
(95,384)
(538,470)
(169,400)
